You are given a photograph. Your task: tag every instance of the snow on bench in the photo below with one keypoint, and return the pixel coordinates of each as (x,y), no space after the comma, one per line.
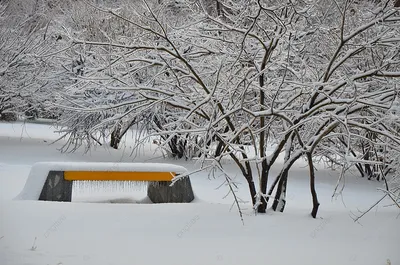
(52,181)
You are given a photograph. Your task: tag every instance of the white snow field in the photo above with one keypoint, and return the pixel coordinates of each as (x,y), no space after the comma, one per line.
(116,225)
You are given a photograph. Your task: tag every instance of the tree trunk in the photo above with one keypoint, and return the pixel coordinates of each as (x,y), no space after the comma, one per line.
(262,208)
(219,148)
(177,147)
(280,195)
(116,136)
(272,188)
(247,173)
(219,9)
(249,177)
(312,186)
(262,144)
(359,166)
(221,144)
(252,188)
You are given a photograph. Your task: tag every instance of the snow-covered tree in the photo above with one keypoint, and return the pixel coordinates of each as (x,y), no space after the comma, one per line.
(311,79)
(26,34)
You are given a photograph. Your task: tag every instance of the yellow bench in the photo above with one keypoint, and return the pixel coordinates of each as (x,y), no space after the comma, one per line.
(118,176)
(52,181)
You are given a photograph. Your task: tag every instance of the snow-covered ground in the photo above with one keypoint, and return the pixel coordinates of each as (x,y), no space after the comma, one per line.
(117,227)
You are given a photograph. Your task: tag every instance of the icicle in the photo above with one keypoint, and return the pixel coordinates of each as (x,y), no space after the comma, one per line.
(95,186)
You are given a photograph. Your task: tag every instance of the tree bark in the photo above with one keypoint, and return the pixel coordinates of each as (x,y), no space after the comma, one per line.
(252,189)
(262,145)
(116,136)
(272,188)
(247,173)
(262,208)
(312,186)
(280,195)
(359,166)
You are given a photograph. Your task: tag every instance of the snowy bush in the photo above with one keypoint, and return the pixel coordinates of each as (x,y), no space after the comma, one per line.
(27,73)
